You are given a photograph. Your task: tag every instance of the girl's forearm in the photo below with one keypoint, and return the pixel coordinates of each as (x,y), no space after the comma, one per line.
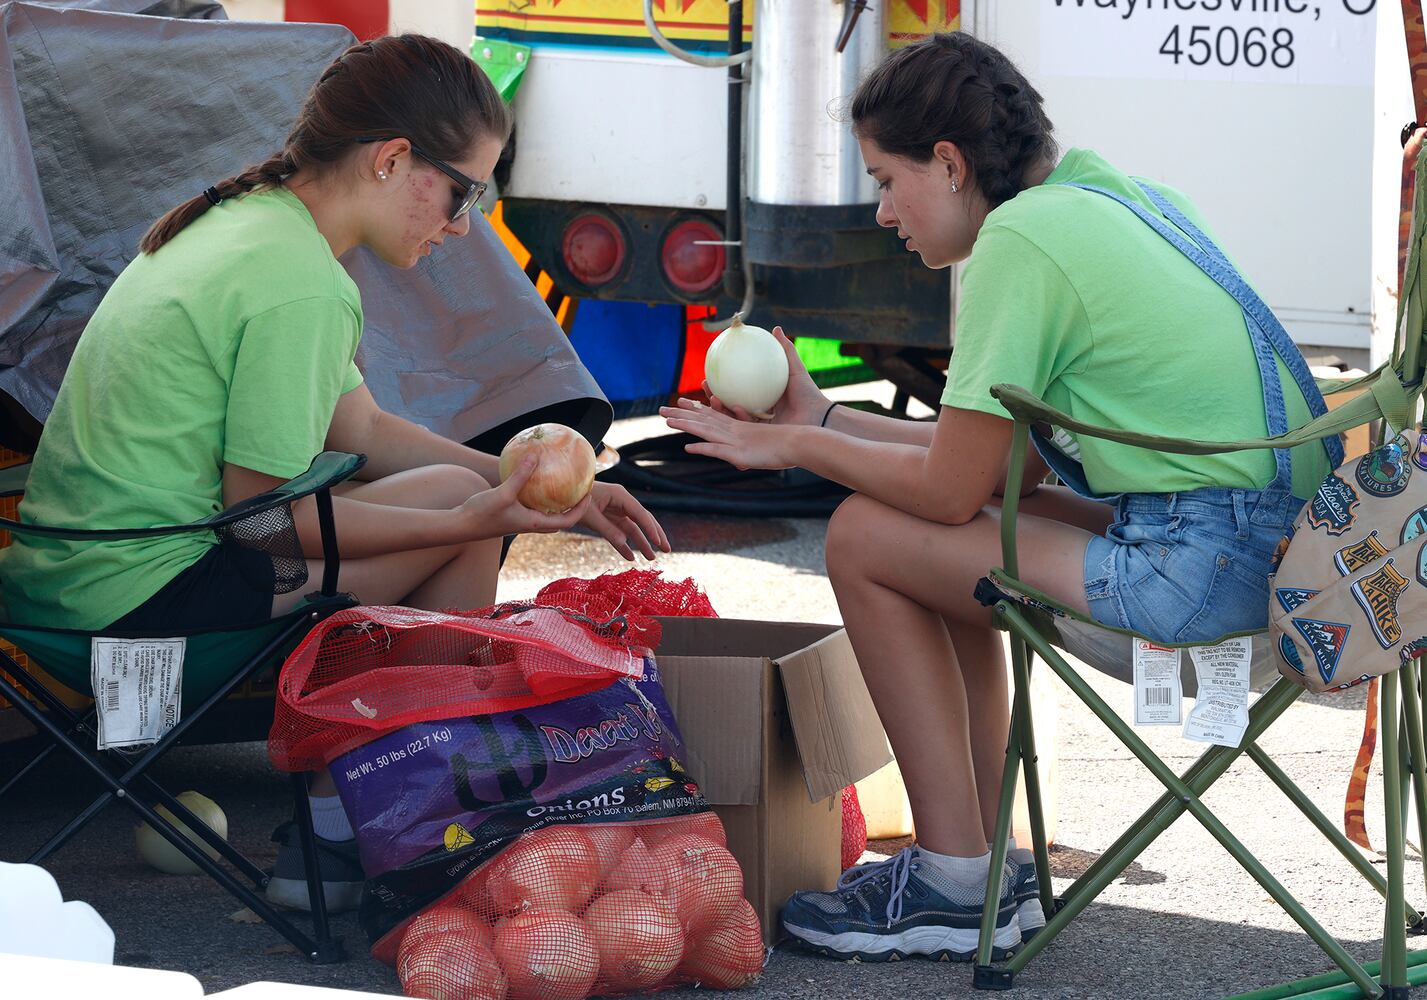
(371,529)
(878,427)
(889,471)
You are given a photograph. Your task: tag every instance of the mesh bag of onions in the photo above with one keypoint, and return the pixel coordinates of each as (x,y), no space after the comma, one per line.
(516,781)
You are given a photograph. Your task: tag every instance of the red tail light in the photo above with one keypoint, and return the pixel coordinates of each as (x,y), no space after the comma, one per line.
(689,263)
(593,249)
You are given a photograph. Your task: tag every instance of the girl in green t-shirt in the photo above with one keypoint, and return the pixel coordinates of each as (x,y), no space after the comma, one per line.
(1106,296)
(220,363)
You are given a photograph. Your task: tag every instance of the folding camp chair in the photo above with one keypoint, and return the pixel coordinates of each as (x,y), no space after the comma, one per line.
(215,663)
(1038,624)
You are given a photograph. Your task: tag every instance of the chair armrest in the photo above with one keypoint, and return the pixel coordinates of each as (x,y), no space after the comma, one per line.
(327,470)
(1386,398)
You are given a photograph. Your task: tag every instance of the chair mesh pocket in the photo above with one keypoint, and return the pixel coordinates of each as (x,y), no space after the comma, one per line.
(272,533)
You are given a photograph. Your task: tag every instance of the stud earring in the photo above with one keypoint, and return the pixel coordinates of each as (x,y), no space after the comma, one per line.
(381,174)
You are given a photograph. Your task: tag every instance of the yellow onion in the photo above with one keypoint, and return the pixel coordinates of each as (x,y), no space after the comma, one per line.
(746,367)
(566,471)
(159,854)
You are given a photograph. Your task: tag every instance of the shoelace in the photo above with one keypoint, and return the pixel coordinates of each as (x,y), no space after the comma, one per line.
(897,868)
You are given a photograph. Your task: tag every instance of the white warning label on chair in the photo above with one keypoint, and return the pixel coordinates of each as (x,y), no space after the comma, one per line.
(137,688)
(1157,689)
(1221,709)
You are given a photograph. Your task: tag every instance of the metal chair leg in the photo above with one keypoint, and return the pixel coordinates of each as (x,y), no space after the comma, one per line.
(327,950)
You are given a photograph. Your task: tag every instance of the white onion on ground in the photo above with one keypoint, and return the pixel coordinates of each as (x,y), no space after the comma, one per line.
(158,853)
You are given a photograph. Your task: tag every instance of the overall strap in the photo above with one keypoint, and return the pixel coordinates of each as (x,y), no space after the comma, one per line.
(1265,332)
(1268,322)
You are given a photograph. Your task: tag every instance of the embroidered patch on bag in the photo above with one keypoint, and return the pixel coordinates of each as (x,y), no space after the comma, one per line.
(1294,597)
(1415,525)
(1377,595)
(1352,683)
(1326,640)
(1413,650)
(1384,473)
(1333,506)
(1417,454)
(1359,555)
(1422,565)
(1289,652)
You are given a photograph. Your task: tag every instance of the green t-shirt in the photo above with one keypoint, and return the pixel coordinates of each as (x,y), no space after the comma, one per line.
(232,343)
(1074,297)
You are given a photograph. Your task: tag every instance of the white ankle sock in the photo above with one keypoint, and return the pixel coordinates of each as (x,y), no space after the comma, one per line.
(965,871)
(329,819)
(1021,856)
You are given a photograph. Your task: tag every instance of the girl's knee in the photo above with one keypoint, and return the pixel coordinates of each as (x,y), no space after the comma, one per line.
(847,535)
(450,485)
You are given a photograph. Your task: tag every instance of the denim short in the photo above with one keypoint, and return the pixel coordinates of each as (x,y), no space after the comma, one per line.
(1187,567)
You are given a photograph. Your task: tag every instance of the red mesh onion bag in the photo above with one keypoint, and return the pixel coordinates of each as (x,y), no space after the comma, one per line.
(567,912)
(516,783)
(369,671)
(854,828)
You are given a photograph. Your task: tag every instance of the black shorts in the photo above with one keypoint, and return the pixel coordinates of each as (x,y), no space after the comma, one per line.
(227,587)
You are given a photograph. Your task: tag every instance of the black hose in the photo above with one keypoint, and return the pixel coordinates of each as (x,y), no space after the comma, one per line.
(662,476)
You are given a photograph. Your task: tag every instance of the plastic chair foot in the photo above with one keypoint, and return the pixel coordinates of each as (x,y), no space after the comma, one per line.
(1395,993)
(988,977)
(327,953)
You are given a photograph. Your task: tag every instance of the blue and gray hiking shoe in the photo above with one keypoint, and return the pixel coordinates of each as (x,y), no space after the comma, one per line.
(341,868)
(1029,912)
(892,909)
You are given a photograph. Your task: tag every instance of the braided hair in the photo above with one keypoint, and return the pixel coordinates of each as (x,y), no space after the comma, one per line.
(953,88)
(407,85)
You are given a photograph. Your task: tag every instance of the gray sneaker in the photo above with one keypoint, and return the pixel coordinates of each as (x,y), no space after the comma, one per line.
(342,876)
(900,907)
(1029,912)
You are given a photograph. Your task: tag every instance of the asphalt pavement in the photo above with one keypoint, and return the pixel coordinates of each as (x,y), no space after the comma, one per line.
(1183,922)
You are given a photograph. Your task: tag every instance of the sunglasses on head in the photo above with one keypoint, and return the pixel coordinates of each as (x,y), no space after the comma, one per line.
(471,190)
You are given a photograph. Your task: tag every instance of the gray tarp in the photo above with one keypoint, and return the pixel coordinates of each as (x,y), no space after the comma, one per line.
(109,119)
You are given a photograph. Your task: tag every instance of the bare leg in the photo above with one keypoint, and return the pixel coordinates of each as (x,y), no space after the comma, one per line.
(905,588)
(450,576)
(982,662)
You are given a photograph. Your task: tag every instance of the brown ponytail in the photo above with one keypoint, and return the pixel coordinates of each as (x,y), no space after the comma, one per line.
(408,85)
(955,88)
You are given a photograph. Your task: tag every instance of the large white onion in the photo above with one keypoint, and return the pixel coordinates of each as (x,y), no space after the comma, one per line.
(158,853)
(746,367)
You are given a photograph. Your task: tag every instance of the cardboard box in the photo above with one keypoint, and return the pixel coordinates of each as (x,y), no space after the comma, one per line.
(776,722)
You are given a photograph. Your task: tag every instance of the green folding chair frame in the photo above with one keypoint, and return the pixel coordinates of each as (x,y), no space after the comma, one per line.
(1390,395)
(216,663)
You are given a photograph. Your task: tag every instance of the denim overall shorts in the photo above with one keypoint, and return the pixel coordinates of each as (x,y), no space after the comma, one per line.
(1193,566)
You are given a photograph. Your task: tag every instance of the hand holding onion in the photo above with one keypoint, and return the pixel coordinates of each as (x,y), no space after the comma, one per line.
(547,483)
(747,368)
(740,443)
(564,474)
(800,402)
(497,512)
